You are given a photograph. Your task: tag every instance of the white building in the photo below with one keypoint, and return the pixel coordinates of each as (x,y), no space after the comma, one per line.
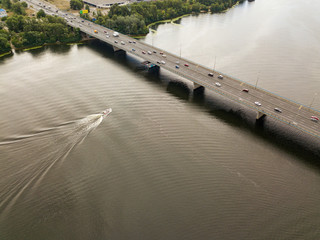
(3,13)
(104,3)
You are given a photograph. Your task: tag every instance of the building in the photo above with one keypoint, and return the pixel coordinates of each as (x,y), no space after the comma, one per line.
(3,13)
(104,3)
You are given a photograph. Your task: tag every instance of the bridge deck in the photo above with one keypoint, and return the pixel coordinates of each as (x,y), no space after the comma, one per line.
(293,114)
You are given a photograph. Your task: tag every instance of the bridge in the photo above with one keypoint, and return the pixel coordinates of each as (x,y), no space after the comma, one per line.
(263,102)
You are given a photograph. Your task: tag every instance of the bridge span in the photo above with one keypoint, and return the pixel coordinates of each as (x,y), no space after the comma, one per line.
(263,102)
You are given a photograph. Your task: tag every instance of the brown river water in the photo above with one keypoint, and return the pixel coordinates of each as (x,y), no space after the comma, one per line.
(167,163)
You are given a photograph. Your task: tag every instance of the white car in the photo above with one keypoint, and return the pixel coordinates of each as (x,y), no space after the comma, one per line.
(163,62)
(218,84)
(220,77)
(257,103)
(149,52)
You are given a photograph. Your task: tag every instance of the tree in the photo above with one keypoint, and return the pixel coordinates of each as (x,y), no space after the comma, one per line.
(18,8)
(87,8)
(4,45)
(41,14)
(6,4)
(76,4)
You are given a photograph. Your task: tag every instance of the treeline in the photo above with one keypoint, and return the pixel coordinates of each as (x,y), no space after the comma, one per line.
(4,41)
(29,31)
(133,18)
(23,31)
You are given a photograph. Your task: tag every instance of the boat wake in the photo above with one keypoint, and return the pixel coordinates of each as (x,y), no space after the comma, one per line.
(26,160)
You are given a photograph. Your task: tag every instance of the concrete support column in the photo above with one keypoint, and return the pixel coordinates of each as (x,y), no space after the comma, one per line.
(260,115)
(118,50)
(196,86)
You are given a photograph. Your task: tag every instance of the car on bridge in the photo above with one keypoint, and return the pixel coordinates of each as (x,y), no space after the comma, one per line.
(163,62)
(186,64)
(257,103)
(220,76)
(210,74)
(245,90)
(177,66)
(314,118)
(218,84)
(278,110)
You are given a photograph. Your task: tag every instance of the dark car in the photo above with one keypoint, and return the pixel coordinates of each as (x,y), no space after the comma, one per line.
(245,90)
(210,74)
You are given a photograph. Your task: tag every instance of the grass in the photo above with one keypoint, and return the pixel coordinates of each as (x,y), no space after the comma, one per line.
(62,4)
(4,54)
(27,49)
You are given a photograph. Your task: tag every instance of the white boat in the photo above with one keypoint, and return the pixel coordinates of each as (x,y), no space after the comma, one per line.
(106,112)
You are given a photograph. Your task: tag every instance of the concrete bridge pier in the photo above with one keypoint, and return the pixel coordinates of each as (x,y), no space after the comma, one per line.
(260,115)
(119,51)
(197,86)
(153,68)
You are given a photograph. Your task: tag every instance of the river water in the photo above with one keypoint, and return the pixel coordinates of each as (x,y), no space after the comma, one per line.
(167,163)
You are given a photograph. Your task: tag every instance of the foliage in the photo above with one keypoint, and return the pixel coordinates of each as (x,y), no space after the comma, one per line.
(4,41)
(76,4)
(29,31)
(136,16)
(6,4)
(41,13)
(87,8)
(18,8)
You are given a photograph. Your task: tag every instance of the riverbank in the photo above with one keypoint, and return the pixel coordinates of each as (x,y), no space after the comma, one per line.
(6,54)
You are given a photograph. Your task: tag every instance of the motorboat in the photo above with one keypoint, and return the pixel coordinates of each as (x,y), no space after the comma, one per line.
(106,112)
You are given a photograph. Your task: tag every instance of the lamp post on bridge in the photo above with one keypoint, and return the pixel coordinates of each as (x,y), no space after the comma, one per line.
(257,80)
(314,96)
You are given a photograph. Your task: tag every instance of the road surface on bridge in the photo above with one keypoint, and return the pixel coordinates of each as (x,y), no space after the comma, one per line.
(292,113)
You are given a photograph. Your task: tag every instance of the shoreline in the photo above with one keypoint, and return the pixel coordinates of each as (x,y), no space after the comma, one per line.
(6,54)
(24,49)
(173,20)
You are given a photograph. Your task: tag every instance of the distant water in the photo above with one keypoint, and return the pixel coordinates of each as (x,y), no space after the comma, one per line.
(167,163)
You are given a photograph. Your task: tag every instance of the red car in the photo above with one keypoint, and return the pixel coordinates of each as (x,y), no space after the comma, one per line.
(314,118)
(186,64)
(245,90)
(143,52)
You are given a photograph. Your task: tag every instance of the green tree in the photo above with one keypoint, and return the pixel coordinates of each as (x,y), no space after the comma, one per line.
(18,8)
(76,4)
(15,23)
(6,4)
(41,13)
(87,8)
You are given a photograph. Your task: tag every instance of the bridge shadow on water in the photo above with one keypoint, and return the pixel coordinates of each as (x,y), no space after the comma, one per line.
(292,141)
